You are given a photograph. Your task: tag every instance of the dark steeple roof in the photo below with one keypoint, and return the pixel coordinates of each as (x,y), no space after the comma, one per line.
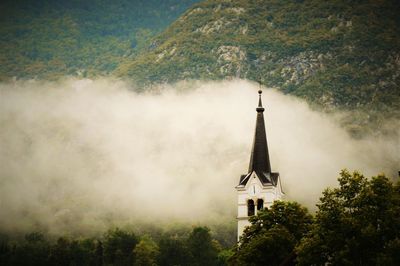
(259,160)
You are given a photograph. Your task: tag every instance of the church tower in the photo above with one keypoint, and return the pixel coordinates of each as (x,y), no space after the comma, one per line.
(260,187)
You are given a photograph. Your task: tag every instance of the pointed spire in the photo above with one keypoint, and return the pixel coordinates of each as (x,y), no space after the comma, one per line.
(259,160)
(260,108)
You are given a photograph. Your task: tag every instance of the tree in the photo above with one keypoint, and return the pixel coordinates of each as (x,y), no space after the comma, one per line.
(118,247)
(84,252)
(224,256)
(173,251)
(202,248)
(60,253)
(33,251)
(98,254)
(269,248)
(273,234)
(146,252)
(356,224)
(5,249)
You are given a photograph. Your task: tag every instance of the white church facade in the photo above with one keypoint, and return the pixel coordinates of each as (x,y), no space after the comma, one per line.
(259,187)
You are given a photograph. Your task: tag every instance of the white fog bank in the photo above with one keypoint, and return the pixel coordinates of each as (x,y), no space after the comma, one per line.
(84,155)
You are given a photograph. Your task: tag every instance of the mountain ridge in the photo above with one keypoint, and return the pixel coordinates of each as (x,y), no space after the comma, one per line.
(47,39)
(338,54)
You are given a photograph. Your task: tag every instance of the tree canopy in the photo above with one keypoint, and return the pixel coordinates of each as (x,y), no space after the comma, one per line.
(356,224)
(273,234)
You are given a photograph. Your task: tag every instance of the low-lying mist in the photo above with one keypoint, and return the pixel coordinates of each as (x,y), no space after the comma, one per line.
(83,155)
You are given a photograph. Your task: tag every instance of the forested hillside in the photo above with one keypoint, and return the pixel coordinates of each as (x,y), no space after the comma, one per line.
(338,54)
(48,39)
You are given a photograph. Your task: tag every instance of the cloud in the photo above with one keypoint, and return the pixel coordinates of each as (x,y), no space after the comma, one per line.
(82,155)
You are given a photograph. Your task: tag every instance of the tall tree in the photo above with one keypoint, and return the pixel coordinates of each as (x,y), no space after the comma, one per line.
(119,246)
(273,234)
(202,248)
(33,251)
(60,253)
(356,224)
(98,254)
(146,252)
(173,251)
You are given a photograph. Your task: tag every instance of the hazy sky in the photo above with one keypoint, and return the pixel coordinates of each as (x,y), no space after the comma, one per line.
(84,155)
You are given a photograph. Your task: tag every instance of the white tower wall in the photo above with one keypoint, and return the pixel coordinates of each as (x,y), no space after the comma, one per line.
(254,190)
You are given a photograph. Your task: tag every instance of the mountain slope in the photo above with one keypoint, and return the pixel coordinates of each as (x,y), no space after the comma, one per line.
(47,39)
(339,54)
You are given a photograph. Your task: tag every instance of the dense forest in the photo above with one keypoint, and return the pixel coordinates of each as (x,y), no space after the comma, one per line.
(338,55)
(50,39)
(356,223)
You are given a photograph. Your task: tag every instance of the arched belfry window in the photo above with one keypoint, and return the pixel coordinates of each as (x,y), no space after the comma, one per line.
(250,208)
(260,204)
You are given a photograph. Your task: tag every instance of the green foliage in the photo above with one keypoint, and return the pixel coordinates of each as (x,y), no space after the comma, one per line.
(119,246)
(356,224)
(268,248)
(173,251)
(291,215)
(201,247)
(36,250)
(273,234)
(390,254)
(5,249)
(33,251)
(146,252)
(224,256)
(51,39)
(337,54)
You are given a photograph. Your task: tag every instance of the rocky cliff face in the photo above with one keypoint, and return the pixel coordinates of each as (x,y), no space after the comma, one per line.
(339,54)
